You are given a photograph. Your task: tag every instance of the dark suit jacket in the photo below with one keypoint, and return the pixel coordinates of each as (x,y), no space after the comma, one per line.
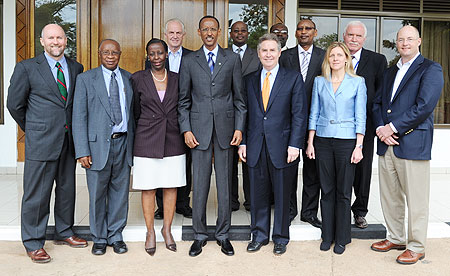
(283,124)
(157,132)
(289,59)
(184,52)
(35,103)
(411,110)
(211,102)
(250,61)
(371,66)
(92,123)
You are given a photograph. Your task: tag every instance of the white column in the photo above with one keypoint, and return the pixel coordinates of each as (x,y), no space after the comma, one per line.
(290,20)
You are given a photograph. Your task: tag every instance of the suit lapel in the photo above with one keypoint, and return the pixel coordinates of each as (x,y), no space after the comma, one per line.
(201,60)
(409,73)
(363,61)
(278,83)
(248,55)
(313,63)
(220,61)
(70,65)
(295,59)
(46,73)
(148,80)
(256,83)
(98,82)
(341,86)
(128,90)
(390,83)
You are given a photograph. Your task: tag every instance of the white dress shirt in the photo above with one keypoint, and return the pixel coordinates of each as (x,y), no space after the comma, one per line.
(300,54)
(122,127)
(236,48)
(175,60)
(214,51)
(355,60)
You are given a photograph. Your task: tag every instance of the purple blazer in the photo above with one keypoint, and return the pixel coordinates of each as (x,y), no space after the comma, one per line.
(157,132)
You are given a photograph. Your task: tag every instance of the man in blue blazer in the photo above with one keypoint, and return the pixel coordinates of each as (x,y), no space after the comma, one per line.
(403,114)
(103,133)
(276,122)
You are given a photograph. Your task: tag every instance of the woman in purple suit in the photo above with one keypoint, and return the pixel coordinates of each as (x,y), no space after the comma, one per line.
(159,152)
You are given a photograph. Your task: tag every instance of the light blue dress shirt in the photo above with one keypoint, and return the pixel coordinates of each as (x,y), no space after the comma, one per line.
(272,77)
(342,114)
(175,60)
(122,127)
(54,69)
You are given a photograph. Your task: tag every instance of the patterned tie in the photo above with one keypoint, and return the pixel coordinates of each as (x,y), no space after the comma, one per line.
(266,91)
(114,99)
(211,61)
(238,51)
(304,67)
(61,81)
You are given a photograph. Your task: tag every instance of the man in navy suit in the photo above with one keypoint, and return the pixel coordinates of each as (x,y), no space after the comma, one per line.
(403,114)
(276,106)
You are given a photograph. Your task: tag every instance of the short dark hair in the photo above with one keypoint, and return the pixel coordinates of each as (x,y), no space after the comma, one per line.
(307,19)
(208,16)
(277,24)
(154,41)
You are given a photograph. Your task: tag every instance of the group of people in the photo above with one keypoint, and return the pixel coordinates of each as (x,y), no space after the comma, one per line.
(190,110)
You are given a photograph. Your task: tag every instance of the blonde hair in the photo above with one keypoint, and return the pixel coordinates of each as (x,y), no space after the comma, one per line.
(326,70)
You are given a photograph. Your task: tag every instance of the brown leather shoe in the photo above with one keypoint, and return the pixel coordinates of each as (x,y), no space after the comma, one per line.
(409,257)
(73,241)
(386,245)
(39,256)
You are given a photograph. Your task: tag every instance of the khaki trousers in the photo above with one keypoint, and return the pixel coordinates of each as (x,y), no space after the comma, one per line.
(402,179)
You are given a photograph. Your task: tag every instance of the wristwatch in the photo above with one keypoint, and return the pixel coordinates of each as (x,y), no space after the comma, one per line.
(359,146)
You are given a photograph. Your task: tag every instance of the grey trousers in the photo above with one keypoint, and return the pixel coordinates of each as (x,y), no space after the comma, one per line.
(38,178)
(202,169)
(108,195)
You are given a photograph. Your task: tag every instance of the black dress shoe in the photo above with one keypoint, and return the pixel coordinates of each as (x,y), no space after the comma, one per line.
(186,212)
(254,246)
(119,247)
(226,247)
(279,248)
(338,249)
(325,246)
(360,222)
(159,214)
(98,248)
(314,221)
(196,248)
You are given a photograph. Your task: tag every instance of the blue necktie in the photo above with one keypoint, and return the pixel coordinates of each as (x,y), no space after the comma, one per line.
(114,100)
(211,61)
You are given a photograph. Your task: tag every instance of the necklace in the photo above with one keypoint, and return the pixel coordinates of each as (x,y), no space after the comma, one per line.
(165,75)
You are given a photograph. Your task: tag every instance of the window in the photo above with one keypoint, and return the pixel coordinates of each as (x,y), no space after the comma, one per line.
(390,29)
(61,12)
(254,13)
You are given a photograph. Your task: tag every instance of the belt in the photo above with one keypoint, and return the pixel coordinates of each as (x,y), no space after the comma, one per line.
(116,135)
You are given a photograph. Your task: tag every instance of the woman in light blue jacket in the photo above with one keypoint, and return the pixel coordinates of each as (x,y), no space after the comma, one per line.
(337,123)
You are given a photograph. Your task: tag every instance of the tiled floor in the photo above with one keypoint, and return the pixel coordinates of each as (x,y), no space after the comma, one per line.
(11,193)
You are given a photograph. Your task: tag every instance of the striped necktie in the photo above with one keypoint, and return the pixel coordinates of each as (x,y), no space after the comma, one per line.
(61,82)
(211,61)
(304,66)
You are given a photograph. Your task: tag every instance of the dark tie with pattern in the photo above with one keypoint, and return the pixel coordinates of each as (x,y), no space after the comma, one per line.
(61,81)
(211,61)
(114,99)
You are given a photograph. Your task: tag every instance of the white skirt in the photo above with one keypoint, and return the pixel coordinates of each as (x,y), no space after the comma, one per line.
(153,173)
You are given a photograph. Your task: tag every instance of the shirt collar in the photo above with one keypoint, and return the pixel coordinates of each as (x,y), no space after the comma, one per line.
(243,47)
(357,55)
(301,50)
(400,64)
(215,50)
(178,52)
(273,72)
(107,71)
(52,62)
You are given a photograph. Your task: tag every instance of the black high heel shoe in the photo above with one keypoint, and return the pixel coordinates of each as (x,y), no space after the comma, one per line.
(148,241)
(172,246)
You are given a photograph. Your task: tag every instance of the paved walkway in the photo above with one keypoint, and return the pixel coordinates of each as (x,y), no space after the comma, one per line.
(301,258)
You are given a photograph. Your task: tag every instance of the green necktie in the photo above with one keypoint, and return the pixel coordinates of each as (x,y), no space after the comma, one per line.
(61,82)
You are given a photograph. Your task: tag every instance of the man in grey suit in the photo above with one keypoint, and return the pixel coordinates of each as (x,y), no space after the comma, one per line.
(103,133)
(250,64)
(306,59)
(40,99)
(211,117)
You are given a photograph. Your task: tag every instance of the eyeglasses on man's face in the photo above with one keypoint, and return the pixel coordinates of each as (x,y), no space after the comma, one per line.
(279,32)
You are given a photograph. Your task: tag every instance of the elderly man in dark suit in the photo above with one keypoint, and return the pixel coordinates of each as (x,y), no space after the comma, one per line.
(306,59)
(40,100)
(103,132)
(250,63)
(174,33)
(211,117)
(273,137)
(403,115)
(371,66)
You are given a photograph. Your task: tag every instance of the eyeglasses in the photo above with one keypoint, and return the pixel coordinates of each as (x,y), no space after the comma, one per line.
(279,32)
(409,40)
(110,53)
(206,30)
(305,28)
